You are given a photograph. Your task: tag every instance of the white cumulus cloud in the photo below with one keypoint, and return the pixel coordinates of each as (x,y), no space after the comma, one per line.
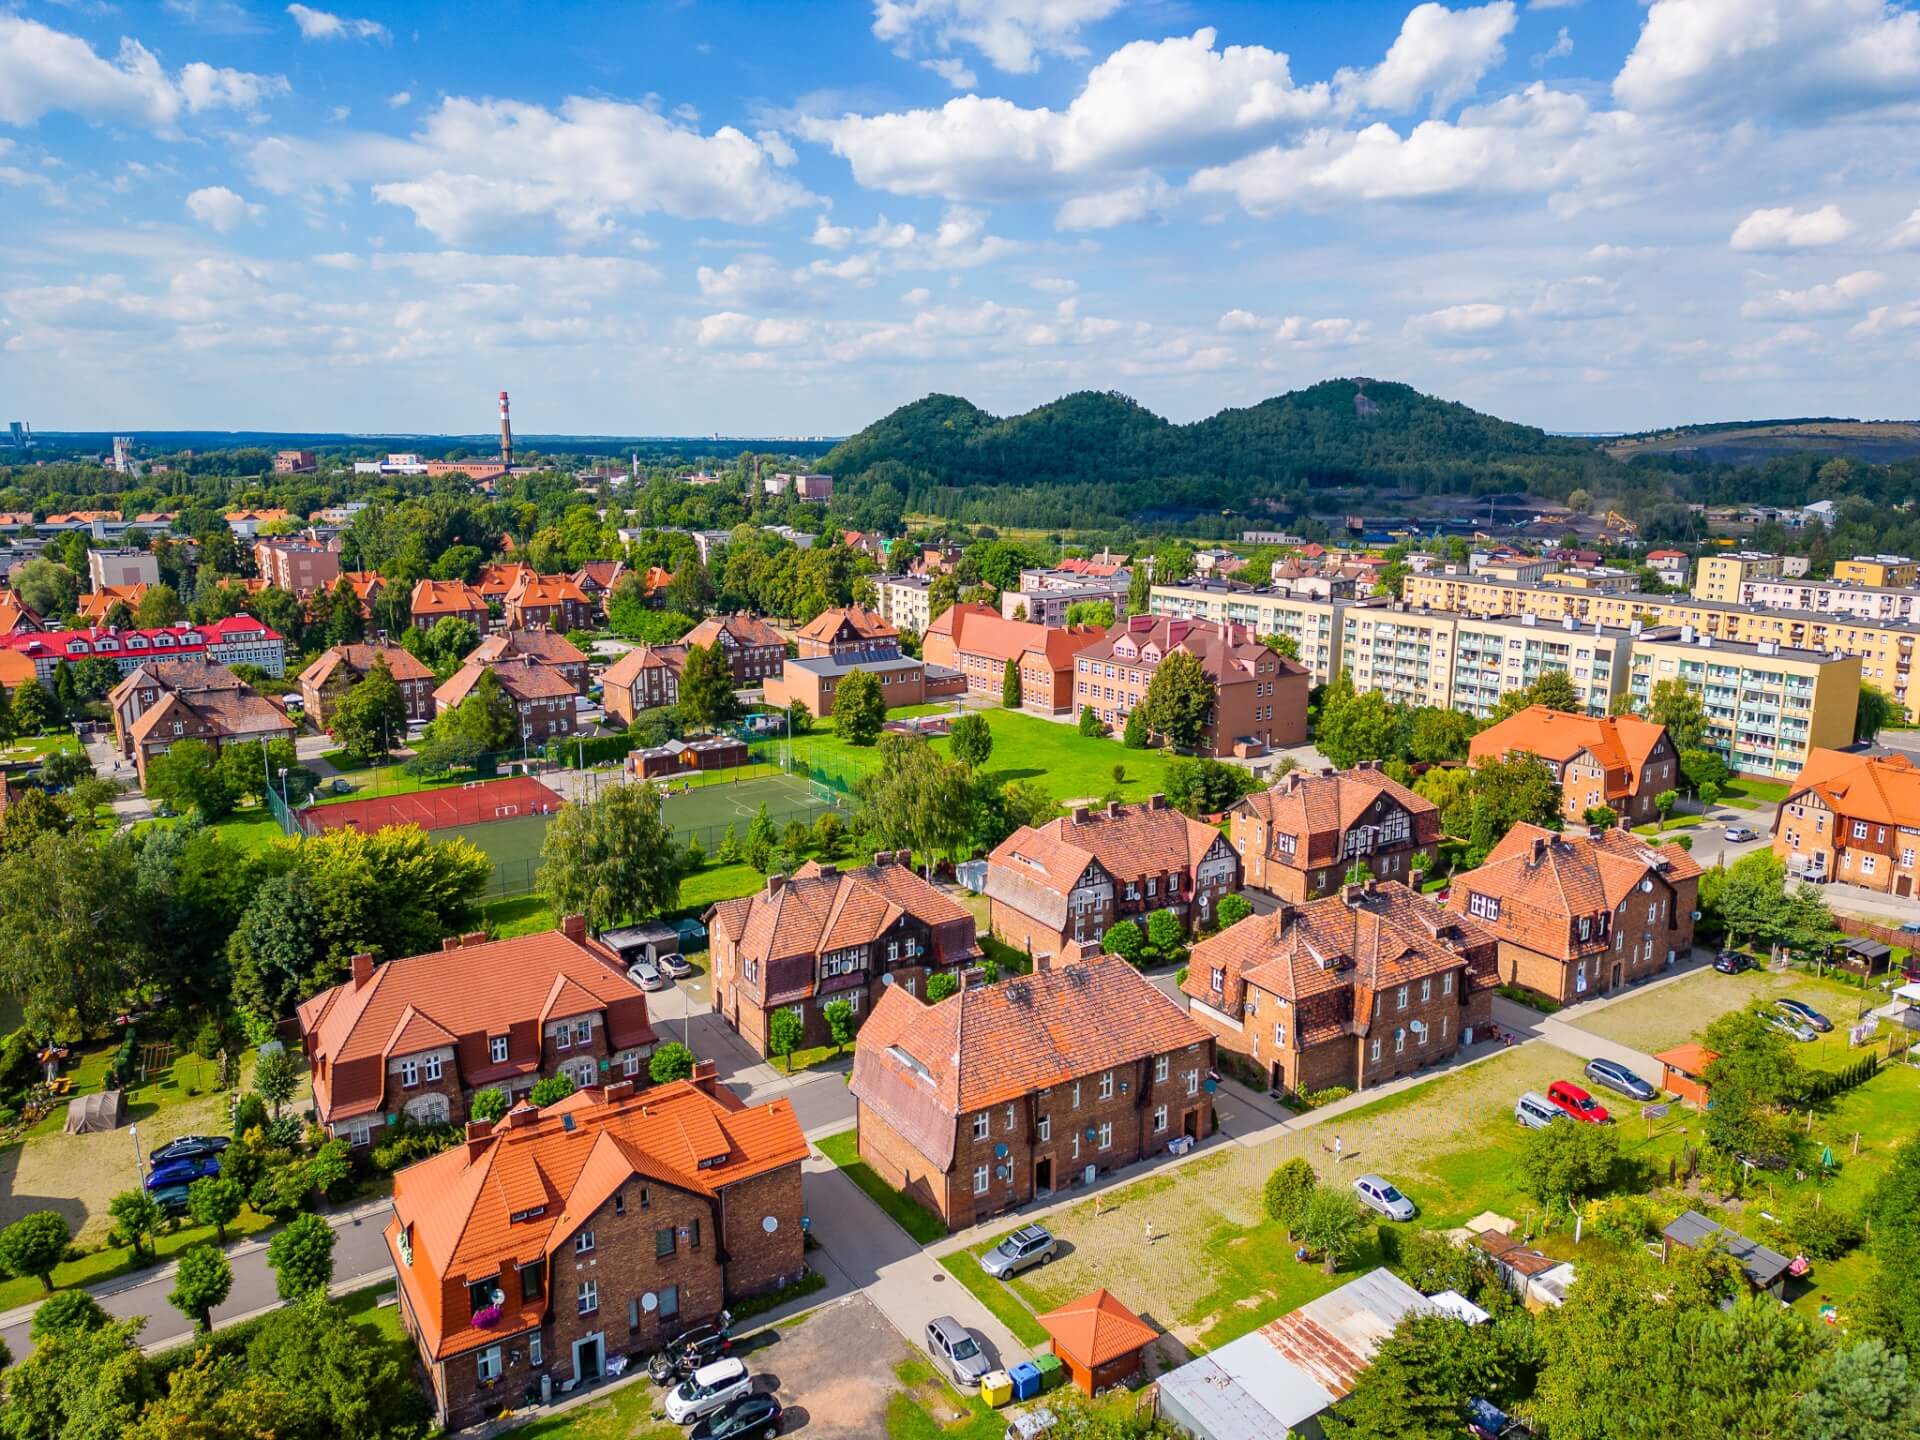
(221,209)
(1784,228)
(1011,34)
(1844,296)
(1439,53)
(324,25)
(1459,324)
(43,69)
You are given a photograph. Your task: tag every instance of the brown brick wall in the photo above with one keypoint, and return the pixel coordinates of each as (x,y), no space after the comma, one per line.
(1607,968)
(894,1159)
(758,1261)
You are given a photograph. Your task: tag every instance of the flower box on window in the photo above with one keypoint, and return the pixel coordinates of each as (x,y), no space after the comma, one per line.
(485,1318)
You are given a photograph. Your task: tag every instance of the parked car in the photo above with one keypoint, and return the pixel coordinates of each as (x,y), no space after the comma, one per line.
(675,965)
(1805,1014)
(190,1147)
(710,1388)
(749,1415)
(953,1345)
(1029,1245)
(691,1349)
(1912,927)
(172,1199)
(182,1172)
(1740,833)
(1732,962)
(1378,1194)
(1786,1026)
(1536,1112)
(644,974)
(1577,1103)
(1619,1079)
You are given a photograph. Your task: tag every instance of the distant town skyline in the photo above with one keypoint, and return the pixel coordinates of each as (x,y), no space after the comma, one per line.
(765,219)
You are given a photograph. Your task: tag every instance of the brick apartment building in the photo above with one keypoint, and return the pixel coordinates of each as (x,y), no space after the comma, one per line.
(542,698)
(146,685)
(1619,761)
(1580,915)
(974,640)
(1260,696)
(1852,818)
(164,702)
(300,566)
(434,600)
(558,1238)
(854,630)
(1003,1094)
(419,1036)
(645,678)
(1056,889)
(339,668)
(596,580)
(753,648)
(825,934)
(295,462)
(543,646)
(1299,839)
(1353,990)
(904,680)
(551,602)
(494,581)
(95,606)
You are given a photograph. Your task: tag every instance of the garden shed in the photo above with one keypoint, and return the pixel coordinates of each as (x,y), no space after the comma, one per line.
(1765,1269)
(1100,1340)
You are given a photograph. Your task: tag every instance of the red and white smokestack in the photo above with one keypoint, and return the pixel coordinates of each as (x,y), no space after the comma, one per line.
(506,432)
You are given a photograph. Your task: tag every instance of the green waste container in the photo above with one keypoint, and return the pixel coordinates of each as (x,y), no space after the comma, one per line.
(1052,1372)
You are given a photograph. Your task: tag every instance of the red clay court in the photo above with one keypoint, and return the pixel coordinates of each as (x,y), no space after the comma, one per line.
(476,803)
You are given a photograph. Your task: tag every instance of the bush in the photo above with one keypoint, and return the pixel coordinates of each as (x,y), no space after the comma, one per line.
(250,1114)
(408,1142)
(672,1061)
(1818,1231)
(1180,976)
(489,1104)
(67,1312)
(551,1090)
(1125,939)
(1285,1195)
(1090,723)
(940,986)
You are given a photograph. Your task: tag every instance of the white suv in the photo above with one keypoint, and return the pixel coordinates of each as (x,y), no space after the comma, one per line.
(707,1389)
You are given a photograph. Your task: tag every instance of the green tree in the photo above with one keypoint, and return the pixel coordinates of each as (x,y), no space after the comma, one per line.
(1126,939)
(859,708)
(1600,817)
(215,1200)
(159,606)
(489,1104)
(841,1022)
(915,799)
(672,1061)
(346,621)
(1134,734)
(551,1090)
(1166,937)
(31,814)
(51,590)
(611,858)
(83,1385)
(707,699)
(728,852)
(202,1279)
(33,710)
(784,1032)
(1664,803)
(690,591)
(1516,790)
(68,1312)
(1420,1380)
(1863,1391)
(1875,711)
(1201,785)
(69,945)
(1232,909)
(34,1244)
(369,716)
(1179,700)
(1353,728)
(1435,735)
(1139,588)
(336,1386)
(302,1257)
(971,740)
(940,985)
(137,1217)
(1554,689)
(760,838)
(1330,1223)
(1566,1161)
(1682,711)
(1010,686)
(275,1077)
(189,778)
(1288,1189)
(1091,612)
(1702,768)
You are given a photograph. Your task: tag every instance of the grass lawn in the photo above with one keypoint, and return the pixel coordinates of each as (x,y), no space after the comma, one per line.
(252,829)
(1656,1019)
(526,914)
(379,1322)
(1754,792)
(37,747)
(909,1214)
(625,1413)
(997,1296)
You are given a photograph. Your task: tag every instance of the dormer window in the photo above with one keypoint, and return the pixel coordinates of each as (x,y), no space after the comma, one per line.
(497,1049)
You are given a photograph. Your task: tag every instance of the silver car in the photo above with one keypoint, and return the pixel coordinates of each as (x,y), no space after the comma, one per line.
(953,1345)
(1029,1245)
(1786,1026)
(646,975)
(1378,1194)
(674,964)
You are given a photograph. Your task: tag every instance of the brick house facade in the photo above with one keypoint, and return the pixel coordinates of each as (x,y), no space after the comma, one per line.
(550,602)
(645,678)
(1299,839)
(753,648)
(977,642)
(434,600)
(826,934)
(1057,888)
(419,1036)
(1852,818)
(1259,695)
(1002,1094)
(1353,990)
(853,630)
(341,667)
(1581,915)
(544,646)
(602,1225)
(1619,761)
(542,699)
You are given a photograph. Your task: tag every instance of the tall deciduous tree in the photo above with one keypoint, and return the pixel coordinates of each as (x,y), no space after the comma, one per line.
(706,688)
(1179,700)
(971,740)
(302,1257)
(371,715)
(33,1245)
(202,1279)
(859,708)
(915,800)
(612,858)
(68,948)
(1682,711)
(1875,711)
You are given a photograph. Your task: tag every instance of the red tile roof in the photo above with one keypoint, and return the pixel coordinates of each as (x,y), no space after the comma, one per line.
(1620,744)
(1318,811)
(744,628)
(1095,1329)
(1228,653)
(980,630)
(629,666)
(524,680)
(401,664)
(1882,788)
(447,597)
(543,591)
(863,624)
(1036,868)
(549,647)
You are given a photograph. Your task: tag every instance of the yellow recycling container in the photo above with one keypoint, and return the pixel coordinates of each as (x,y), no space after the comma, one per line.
(996,1388)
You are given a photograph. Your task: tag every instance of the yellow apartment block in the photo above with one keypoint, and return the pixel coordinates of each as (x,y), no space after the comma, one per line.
(1893,571)
(1406,655)
(1495,656)
(1721,576)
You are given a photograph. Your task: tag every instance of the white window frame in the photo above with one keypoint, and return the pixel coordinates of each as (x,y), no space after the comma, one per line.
(536,1348)
(1159,1119)
(1106,1085)
(432,1067)
(588,1302)
(1043,1128)
(486,1365)
(409,1074)
(583,1032)
(1106,1135)
(982,1124)
(497,1049)
(1160,1063)
(583,1242)
(979,1179)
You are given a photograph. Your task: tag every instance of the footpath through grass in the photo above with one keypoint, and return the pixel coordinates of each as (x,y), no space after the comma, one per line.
(909,1214)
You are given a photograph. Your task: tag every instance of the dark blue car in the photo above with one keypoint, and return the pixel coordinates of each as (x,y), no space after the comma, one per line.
(182,1172)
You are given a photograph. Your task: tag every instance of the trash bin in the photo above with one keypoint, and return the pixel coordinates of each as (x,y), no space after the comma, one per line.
(996,1388)
(1026,1380)
(1052,1372)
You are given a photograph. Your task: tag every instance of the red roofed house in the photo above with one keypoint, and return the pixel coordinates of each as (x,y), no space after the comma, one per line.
(236,640)
(1578,915)
(418,1036)
(339,668)
(1299,839)
(976,641)
(553,601)
(542,698)
(547,647)
(219,714)
(1057,888)
(146,685)
(825,934)
(601,1225)
(1619,761)
(754,648)
(1259,696)
(645,678)
(1101,1342)
(367,588)
(1353,990)
(1854,818)
(596,580)
(1002,1094)
(494,581)
(433,600)
(94,606)
(18,617)
(853,631)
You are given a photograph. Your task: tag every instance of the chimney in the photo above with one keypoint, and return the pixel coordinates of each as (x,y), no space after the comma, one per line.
(1042,963)
(479,1135)
(705,1076)
(903,857)
(1156,802)
(778,882)
(574,927)
(1539,848)
(506,433)
(362,970)
(449,942)
(617,1091)
(1352,894)
(829,870)
(1414,877)
(522,1115)
(883,857)
(474,937)
(1113,809)
(1080,814)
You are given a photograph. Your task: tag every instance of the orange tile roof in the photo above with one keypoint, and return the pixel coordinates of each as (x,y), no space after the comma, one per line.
(746,629)
(629,666)
(494,581)
(542,590)
(1688,1058)
(1129,842)
(401,664)
(655,579)
(523,680)
(1228,653)
(1620,744)
(980,630)
(16,670)
(1882,788)
(1317,811)
(864,623)
(1095,1329)
(17,616)
(549,647)
(454,1213)
(446,597)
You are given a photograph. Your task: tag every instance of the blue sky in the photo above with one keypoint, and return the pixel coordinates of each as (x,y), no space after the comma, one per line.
(787,218)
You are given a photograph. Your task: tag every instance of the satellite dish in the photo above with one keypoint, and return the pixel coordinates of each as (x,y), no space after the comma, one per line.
(649,1302)
(887,978)
(499,1296)
(770,1224)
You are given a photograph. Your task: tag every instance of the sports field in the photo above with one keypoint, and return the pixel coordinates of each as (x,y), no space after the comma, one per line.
(514,846)
(704,811)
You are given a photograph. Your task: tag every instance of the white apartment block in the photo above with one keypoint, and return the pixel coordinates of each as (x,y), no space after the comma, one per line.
(1313,625)
(904,602)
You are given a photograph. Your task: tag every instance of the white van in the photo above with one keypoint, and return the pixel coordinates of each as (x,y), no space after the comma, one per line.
(1535,1111)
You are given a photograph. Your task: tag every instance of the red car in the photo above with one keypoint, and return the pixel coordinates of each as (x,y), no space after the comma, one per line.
(1577,1103)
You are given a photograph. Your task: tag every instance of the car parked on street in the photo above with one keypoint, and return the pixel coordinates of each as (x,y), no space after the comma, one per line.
(190,1147)
(691,1349)
(753,1414)
(1619,1079)
(1577,1103)
(1741,833)
(1732,962)
(953,1345)
(1805,1014)
(1029,1245)
(646,975)
(1774,1020)
(1378,1194)
(710,1388)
